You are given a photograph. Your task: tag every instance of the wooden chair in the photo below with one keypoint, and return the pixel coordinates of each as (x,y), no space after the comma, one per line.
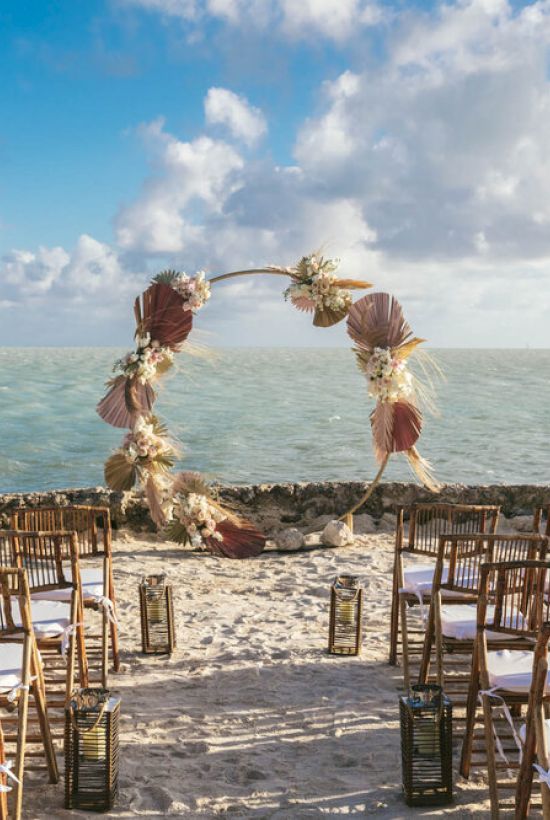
(541,520)
(452,626)
(93,527)
(20,674)
(536,733)
(58,624)
(412,584)
(521,605)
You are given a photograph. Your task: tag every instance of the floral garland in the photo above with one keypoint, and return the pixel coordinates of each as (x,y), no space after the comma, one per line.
(182,504)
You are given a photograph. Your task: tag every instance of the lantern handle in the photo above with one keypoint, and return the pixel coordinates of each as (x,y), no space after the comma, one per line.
(80,731)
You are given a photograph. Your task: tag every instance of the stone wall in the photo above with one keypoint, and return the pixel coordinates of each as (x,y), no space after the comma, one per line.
(305,505)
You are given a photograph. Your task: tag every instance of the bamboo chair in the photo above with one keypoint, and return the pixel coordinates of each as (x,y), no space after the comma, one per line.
(58,625)
(4,788)
(412,584)
(536,735)
(541,520)
(21,673)
(521,605)
(452,627)
(93,527)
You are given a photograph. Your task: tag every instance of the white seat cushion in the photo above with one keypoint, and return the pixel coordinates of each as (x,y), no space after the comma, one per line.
(418,580)
(459,621)
(49,618)
(11,665)
(92,586)
(511,669)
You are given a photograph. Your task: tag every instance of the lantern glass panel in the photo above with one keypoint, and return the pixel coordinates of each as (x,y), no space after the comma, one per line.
(346,599)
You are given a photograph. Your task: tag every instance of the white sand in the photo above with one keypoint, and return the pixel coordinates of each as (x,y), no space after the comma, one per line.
(251,717)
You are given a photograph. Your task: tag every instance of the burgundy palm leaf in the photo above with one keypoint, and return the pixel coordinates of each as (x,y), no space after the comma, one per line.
(377,320)
(163,316)
(239,541)
(124,402)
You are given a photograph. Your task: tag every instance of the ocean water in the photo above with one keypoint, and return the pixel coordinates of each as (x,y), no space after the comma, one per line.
(267,415)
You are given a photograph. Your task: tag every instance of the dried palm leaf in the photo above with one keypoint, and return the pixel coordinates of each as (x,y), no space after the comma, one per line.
(406,349)
(382,419)
(377,320)
(422,469)
(362,358)
(353,284)
(120,473)
(153,493)
(175,531)
(166,277)
(326,317)
(190,483)
(395,427)
(163,316)
(303,303)
(113,407)
(239,541)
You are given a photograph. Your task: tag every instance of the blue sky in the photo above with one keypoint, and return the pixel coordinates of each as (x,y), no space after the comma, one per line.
(408,139)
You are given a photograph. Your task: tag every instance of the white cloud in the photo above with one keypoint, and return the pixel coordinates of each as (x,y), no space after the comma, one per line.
(427,173)
(244,121)
(297,19)
(196,175)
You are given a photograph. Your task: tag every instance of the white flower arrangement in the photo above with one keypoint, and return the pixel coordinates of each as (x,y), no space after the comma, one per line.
(144,363)
(143,445)
(195,291)
(198,516)
(389,379)
(316,287)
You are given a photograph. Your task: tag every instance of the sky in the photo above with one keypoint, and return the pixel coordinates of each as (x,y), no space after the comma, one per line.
(408,139)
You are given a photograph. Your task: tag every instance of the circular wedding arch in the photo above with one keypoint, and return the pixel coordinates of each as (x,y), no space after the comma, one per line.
(182,504)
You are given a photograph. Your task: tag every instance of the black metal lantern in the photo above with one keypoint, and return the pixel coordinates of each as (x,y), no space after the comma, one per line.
(426,746)
(91,750)
(346,605)
(158,636)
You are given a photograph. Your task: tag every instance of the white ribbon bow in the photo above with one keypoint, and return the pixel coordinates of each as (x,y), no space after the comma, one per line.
(109,609)
(66,635)
(508,715)
(19,687)
(544,775)
(5,768)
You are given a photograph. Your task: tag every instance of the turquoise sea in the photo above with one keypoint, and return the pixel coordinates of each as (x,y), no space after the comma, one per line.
(267,415)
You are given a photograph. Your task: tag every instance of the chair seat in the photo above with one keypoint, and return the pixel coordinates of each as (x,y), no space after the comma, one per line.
(459,621)
(511,669)
(418,580)
(92,587)
(49,618)
(11,666)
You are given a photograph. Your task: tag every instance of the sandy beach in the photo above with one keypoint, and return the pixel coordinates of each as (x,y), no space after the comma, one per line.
(251,717)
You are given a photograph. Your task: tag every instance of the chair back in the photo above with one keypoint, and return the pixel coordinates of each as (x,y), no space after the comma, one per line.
(14,584)
(519,590)
(428,522)
(43,555)
(541,520)
(92,524)
(466,554)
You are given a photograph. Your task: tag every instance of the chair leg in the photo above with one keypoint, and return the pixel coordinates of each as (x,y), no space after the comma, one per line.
(491,759)
(427,649)
(77,617)
(471,708)
(3,779)
(39,694)
(113,627)
(404,641)
(394,617)
(22,715)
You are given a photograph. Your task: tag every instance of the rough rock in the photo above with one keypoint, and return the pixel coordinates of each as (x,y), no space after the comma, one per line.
(289,540)
(522,523)
(336,534)
(364,524)
(387,523)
